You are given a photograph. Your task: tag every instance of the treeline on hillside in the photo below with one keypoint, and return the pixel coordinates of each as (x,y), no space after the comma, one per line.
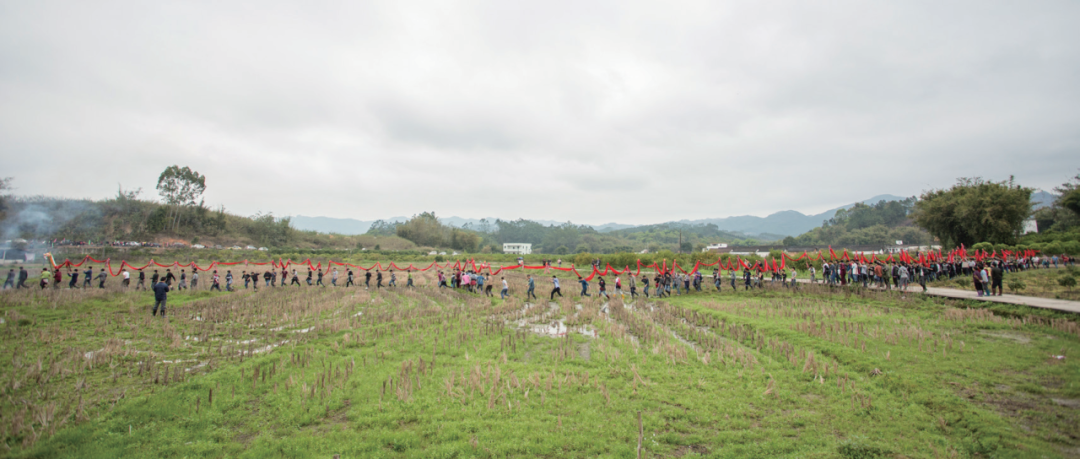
(1063,215)
(426,230)
(883,223)
(125,217)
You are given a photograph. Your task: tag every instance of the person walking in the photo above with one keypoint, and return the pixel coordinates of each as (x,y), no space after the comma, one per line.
(530,293)
(408,280)
(349,278)
(645,283)
(393,279)
(183,280)
(333,277)
(505,289)
(556,289)
(215,282)
(904,277)
(161,292)
(194,278)
(633,286)
(367,280)
(309,277)
(101,278)
(319,278)
(10,281)
(228,281)
(996,276)
(584,286)
(72,273)
(127,279)
(88,276)
(57,278)
(603,288)
(378,279)
(45,276)
(295,279)
(169,277)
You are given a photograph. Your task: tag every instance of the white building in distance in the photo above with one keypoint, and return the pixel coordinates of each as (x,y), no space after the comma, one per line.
(518,248)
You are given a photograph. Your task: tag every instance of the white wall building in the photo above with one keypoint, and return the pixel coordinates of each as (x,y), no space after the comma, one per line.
(1030,226)
(518,248)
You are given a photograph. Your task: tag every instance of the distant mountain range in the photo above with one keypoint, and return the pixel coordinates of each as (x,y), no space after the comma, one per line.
(783,223)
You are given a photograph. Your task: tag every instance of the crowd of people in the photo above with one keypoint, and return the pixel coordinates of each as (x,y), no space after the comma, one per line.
(986,275)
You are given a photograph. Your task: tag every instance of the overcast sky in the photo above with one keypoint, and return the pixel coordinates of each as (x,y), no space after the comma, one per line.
(632,112)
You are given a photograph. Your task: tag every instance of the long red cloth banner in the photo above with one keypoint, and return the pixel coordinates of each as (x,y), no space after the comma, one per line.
(904,257)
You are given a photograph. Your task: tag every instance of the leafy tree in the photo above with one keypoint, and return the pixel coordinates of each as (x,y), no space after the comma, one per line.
(269,231)
(424,229)
(975,210)
(1071,200)
(464,240)
(1064,213)
(383,228)
(5,184)
(180,187)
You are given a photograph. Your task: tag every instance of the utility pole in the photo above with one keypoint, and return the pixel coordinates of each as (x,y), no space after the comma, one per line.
(680,241)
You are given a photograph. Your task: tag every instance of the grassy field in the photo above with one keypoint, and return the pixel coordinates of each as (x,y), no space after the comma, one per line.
(1036,282)
(426,372)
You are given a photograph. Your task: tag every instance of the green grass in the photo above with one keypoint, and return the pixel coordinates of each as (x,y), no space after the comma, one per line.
(1036,282)
(436,373)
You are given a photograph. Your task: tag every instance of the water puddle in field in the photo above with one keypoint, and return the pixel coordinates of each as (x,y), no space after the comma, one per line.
(268,347)
(681,340)
(176,361)
(304,330)
(559,329)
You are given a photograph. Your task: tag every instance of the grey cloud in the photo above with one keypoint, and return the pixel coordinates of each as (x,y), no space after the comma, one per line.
(767,105)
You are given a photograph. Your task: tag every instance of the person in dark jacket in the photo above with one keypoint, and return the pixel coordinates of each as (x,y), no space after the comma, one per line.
(23,275)
(161,291)
(10,281)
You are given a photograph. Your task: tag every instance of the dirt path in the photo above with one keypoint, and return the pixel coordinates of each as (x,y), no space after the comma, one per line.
(1032,301)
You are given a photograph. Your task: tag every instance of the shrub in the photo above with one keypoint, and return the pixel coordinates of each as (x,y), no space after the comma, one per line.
(1017,285)
(1067,281)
